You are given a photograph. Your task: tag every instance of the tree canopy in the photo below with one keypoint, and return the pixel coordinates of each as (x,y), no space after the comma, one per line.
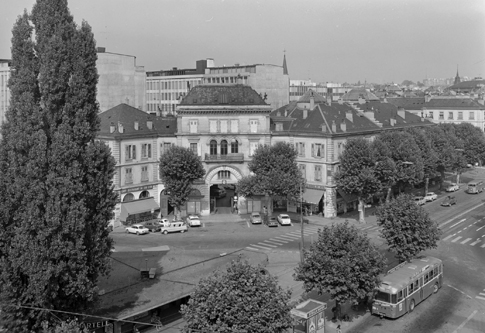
(243,298)
(407,227)
(56,178)
(342,262)
(179,168)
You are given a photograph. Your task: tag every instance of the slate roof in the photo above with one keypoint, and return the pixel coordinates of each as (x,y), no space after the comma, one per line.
(127,115)
(316,97)
(408,103)
(472,84)
(236,94)
(454,103)
(356,93)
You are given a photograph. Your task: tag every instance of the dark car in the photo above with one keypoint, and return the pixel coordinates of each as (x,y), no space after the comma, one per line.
(271,221)
(449,200)
(153,225)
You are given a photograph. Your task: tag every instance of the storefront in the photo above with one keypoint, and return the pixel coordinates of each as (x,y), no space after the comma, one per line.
(346,202)
(139,210)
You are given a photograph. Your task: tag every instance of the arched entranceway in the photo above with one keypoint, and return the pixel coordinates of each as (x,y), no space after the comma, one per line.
(165,207)
(128,197)
(144,194)
(222,182)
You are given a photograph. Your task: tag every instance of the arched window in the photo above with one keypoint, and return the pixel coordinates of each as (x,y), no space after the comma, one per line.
(234,147)
(128,197)
(213,147)
(223,147)
(144,194)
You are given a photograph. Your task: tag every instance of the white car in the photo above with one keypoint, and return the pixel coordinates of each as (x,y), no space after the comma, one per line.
(137,229)
(452,188)
(179,226)
(420,200)
(284,219)
(193,221)
(431,196)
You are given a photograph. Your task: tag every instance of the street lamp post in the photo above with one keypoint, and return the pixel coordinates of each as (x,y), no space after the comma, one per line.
(301,222)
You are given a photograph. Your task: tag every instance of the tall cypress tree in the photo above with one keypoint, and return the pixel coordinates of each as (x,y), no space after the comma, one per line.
(56,179)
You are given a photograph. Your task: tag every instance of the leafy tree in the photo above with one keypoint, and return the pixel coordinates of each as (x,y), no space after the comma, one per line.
(342,262)
(357,175)
(407,83)
(274,172)
(385,168)
(407,227)
(69,326)
(244,298)
(440,143)
(179,167)
(456,150)
(428,155)
(473,142)
(56,178)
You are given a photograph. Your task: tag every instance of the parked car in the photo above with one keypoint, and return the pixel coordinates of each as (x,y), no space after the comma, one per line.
(420,200)
(431,196)
(153,226)
(255,218)
(271,221)
(163,221)
(138,229)
(178,226)
(193,221)
(452,188)
(449,200)
(284,219)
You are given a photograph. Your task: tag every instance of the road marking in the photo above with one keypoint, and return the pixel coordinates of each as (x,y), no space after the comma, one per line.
(272,242)
(459,215)
(466,241)
(482,298)
(277,240)
(284,239)
(292,237)
(263,247)
(481,227)
(483,245)
(252,248)
(267,244)
(477,241)
(247,222)
(457,238)
(466,321)
(448,237)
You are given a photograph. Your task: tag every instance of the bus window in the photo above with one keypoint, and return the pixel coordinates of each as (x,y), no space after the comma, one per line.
(382,296)
(411,288)
(399,296)
(416,285)
(436,271)
(431,275)
(426,278)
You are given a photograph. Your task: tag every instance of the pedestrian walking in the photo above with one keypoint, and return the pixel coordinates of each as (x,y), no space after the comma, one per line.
(338,329)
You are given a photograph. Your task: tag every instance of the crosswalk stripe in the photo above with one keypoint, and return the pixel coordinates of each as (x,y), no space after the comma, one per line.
(466,241)
(482,298)
(477,241)
(273,242)
(483,245)
(294,233)
(481,294)
(277,240)
(267,244)
(291,235)
(252,248)
(263,247)
(288,239)
(457,238)
(448,237)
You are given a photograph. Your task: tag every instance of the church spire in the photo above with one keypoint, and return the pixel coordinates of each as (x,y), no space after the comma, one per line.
(285,68)
(457,77)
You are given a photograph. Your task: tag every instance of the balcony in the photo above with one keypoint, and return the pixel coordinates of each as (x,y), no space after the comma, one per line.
(231,158)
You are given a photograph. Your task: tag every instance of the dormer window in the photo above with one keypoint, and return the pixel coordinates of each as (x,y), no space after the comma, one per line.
(194,101)
(279,126)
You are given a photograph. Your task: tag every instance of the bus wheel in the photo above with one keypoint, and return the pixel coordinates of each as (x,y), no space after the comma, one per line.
(435,288)
(411,306)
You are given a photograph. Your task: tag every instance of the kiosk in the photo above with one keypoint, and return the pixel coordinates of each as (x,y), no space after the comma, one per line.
(309,317)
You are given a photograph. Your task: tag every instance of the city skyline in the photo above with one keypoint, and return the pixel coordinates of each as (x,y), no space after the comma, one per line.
(325,41)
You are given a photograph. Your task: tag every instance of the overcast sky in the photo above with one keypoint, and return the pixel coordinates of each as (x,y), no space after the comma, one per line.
(325,40)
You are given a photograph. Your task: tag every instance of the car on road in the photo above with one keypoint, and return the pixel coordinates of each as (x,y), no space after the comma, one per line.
(153,226)
(284,219)
(420,200)
(452,188)
(255,218)
(271,221)
(431,196)
(138,229)
(193,221)
(449,200)
(178,226)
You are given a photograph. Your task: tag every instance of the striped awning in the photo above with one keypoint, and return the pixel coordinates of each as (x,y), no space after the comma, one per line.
(312,196)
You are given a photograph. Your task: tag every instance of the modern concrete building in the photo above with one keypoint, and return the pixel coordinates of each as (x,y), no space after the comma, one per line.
(298,88)
(4,91)
(120,81)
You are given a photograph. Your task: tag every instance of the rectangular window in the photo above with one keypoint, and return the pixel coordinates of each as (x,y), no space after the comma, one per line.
(130,152)
(223,126)
(318,173)
(128,176)
(252,147)
(411,289)
(193,147)
(301,149)
(471,115)
(426,278)
(450,115)
(317,150)
(460,115)
(144,173)
(146,150)
(399,296)
(193,126)
(234,126)
(213,126)
(302,168)
(430,114)
(442,115)
(254,126)
(164,147)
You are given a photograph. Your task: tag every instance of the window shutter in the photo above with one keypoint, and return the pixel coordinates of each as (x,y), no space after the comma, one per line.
(127,151)
(134,152)
(149,151)
(313,149)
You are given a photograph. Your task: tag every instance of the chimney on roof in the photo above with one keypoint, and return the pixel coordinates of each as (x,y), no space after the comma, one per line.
(392,121)
(312,101)
(343,126)
(120,127)
(305,113)
(329,99)
(361,100)
(341,101)
(149,124)
(384,100)
(324,128)
(136,125)
(401,112)
(112,127)
(427,98)
(349,115)
(334,126)
(286,113)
